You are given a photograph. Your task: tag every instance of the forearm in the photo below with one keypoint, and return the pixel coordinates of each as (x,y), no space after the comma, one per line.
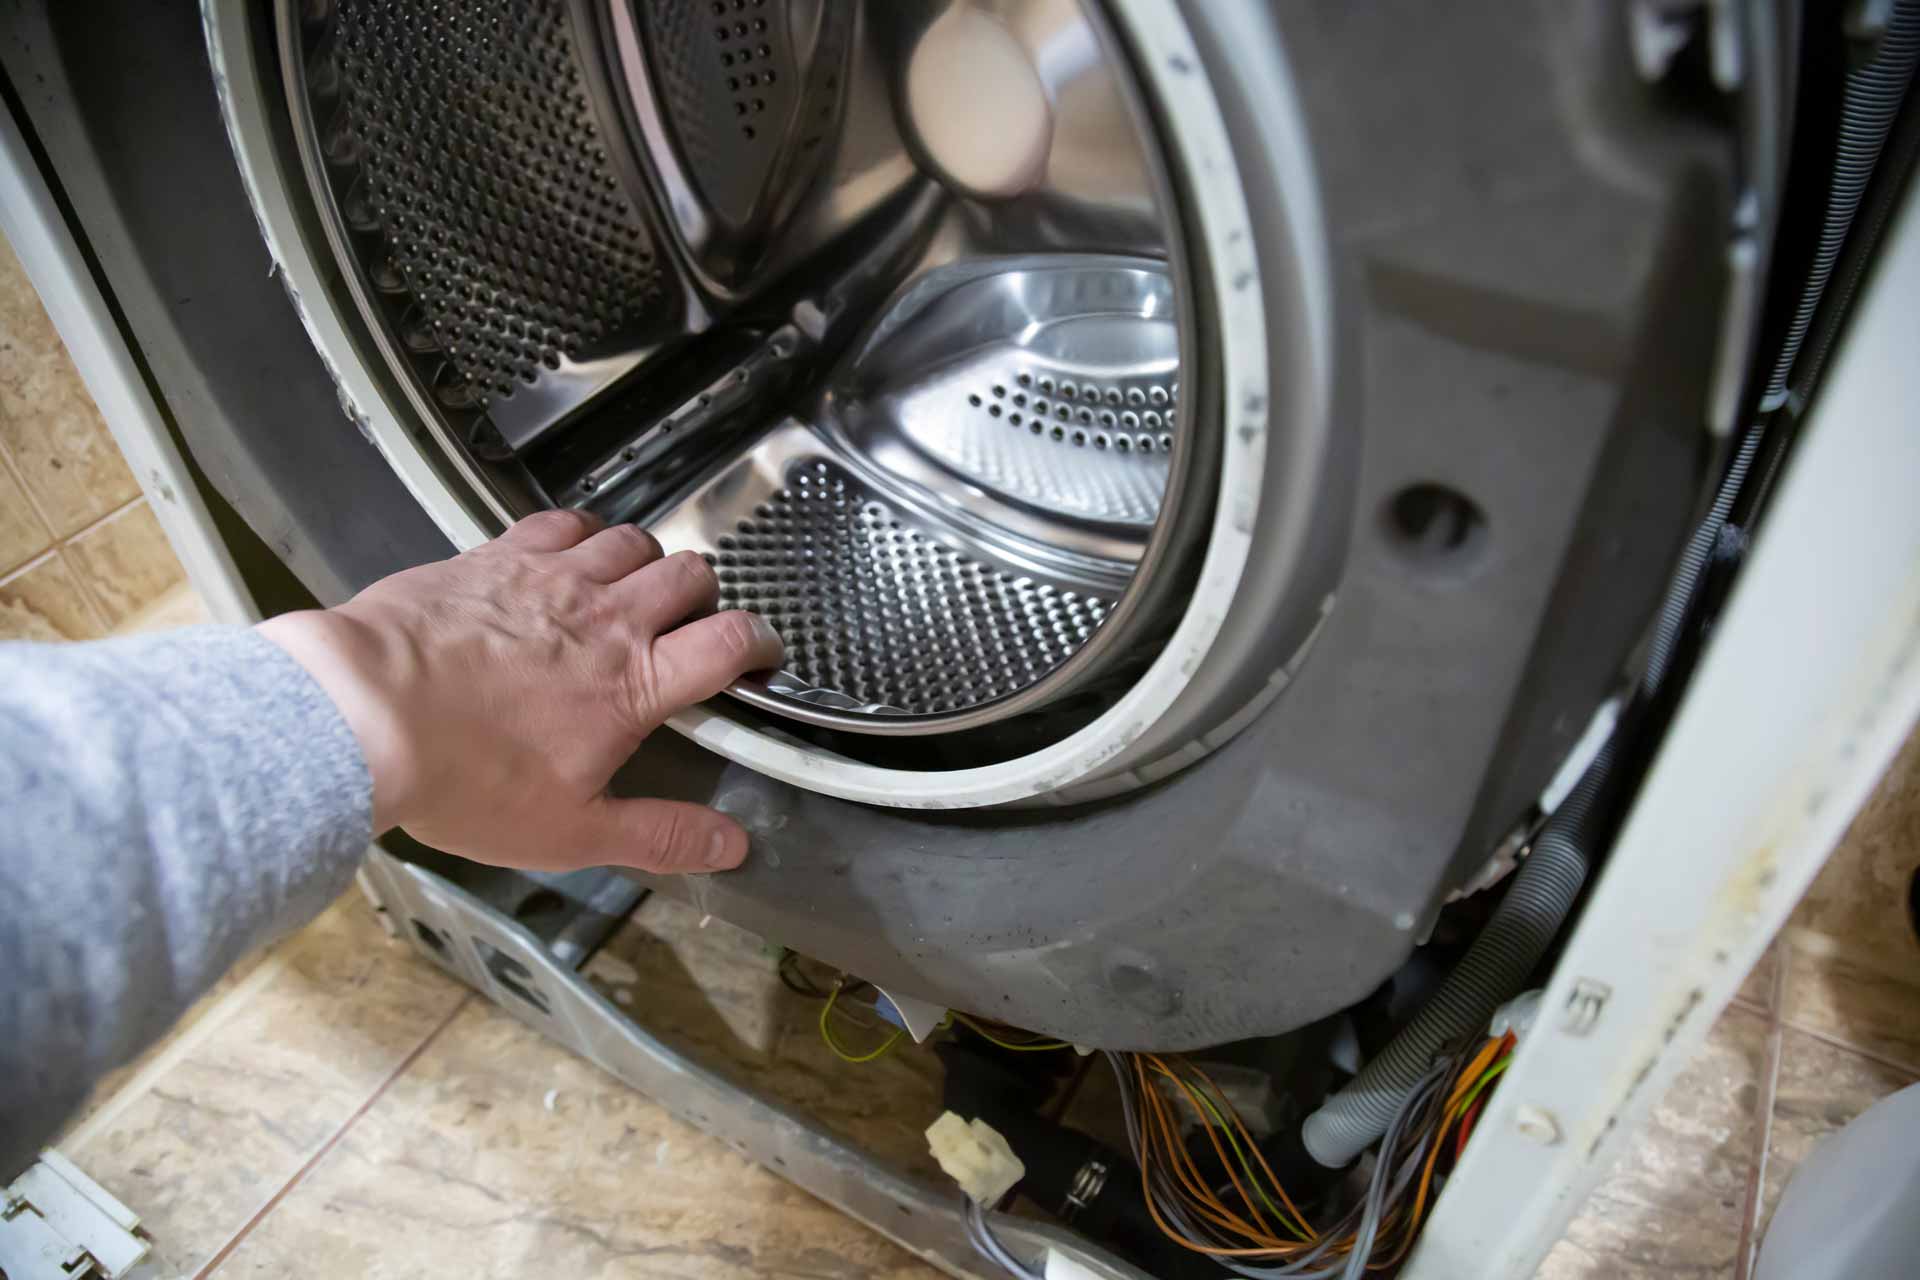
(168,803)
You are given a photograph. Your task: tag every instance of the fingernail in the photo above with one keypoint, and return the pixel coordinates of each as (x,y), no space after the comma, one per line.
(766,632)
(724,852)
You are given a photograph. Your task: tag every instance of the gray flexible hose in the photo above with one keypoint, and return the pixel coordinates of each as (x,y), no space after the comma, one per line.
(1543,892)
(1517,935)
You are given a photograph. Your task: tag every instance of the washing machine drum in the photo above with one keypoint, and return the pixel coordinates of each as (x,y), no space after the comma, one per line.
(1207,461)
(914,318)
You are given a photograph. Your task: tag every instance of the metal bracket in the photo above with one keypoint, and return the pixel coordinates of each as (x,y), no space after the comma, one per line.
(56,1223)
(506,961)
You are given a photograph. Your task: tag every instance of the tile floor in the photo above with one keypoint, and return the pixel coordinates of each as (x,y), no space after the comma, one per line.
(341,1108)
(81,553)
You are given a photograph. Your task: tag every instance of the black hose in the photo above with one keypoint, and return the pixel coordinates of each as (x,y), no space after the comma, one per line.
(1869,102)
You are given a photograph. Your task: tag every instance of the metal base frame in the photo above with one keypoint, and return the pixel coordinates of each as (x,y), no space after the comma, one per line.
(531,969)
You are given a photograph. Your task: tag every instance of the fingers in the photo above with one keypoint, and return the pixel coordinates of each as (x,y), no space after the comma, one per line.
(702,658)
(666,836)
(554,530)
(669,591)
(612,554)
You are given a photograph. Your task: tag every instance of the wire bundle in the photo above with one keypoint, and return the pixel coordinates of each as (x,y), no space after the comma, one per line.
(1242,1216)
(1239,1213)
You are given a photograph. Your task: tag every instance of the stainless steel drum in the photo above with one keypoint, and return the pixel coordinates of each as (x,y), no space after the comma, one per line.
(878,305)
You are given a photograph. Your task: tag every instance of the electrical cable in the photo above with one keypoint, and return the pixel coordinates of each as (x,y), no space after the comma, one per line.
(1375,1203)
(980,1233)
(796,980)
(826,1034)
(1231,1215)
(1040,1046)
(1465,1130)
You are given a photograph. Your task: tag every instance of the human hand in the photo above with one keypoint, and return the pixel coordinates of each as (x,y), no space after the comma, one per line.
(495,693)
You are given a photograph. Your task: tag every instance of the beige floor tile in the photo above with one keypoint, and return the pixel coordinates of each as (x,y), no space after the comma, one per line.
(1852,960)
(1673,1206)
(47,420)
(498,1154)
(714,992)
(180,607)
(23,320)
(1821,1088)
(23,534)
(44,601)
(123,1082)
(1857,906)
(1757,990)
(1859,1005)
(60,445)
(128,563)
(199,1148)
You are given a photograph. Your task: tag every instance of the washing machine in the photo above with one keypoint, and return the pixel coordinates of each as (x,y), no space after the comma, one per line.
(1220,469)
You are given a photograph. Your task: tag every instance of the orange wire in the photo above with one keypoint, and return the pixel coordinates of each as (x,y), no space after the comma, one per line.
(1246,1137)
(1166,1229)
(1196,1189)
(1481,1061)
(1461,1083)
(1200,1110)
(1209,1205)
(1159,1139)
(1159,1133)
(1268,1237)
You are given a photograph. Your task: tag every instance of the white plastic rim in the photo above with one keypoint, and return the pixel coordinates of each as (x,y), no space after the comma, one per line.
(1216,214)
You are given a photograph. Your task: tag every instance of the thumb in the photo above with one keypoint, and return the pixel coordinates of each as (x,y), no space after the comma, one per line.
(665,836)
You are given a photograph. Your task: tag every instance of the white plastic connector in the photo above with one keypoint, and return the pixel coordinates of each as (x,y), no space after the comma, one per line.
(1061,1267)
(973,1154)
(1518,1014)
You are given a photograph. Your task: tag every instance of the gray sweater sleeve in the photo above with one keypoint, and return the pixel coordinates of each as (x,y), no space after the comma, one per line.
(167,802)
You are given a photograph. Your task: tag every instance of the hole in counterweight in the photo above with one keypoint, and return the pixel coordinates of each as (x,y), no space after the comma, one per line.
(1434,527)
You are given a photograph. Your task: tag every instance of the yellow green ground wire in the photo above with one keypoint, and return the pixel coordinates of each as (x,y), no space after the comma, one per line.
(826,1034)
(1220,1123)
(990,1038)
(1465,1104)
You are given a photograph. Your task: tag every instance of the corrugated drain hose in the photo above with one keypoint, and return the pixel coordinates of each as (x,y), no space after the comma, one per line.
(1543,891)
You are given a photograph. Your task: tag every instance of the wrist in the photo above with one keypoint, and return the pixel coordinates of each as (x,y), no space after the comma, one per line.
(352,667)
